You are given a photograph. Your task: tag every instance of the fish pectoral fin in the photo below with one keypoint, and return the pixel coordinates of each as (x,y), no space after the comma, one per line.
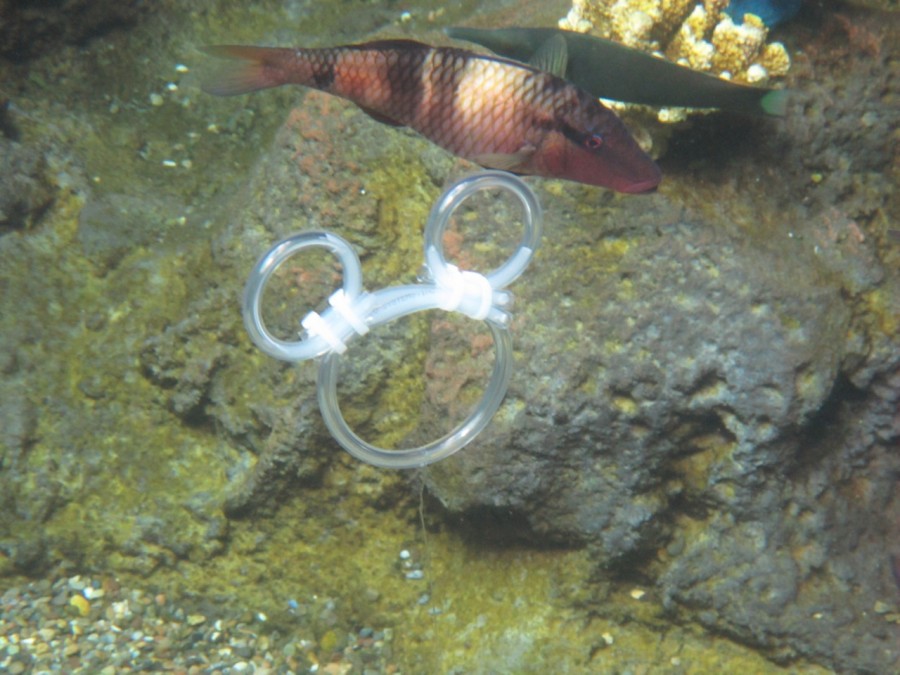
(506,161)
(381,117)
(552,56)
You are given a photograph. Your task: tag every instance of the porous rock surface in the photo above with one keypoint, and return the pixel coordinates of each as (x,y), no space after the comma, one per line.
(28,28)
(714,400)
(707,380)
(707,394)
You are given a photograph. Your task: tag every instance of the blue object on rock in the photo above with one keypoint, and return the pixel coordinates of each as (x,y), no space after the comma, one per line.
(772,12)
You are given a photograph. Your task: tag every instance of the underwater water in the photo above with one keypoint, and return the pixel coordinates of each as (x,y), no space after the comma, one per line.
(694,469)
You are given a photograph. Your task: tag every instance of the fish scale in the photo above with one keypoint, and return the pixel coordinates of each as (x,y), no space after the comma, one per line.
(484,111)
(499,113)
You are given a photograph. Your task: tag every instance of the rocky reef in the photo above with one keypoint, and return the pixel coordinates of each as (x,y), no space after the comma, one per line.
(696,466)
(28,29)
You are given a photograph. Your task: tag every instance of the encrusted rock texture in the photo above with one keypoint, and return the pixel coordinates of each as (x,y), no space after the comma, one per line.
(710,394)
(707,380)
(29,28)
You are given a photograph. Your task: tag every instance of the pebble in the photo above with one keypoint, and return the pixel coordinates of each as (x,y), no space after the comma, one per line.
(49,626)
(195,619)
(92,593)
(80,603)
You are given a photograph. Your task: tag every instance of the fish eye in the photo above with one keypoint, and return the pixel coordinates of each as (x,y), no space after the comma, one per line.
(593,141)
(589,140)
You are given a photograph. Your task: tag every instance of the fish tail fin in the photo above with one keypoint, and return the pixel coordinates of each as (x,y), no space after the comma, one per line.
(255,68)
(775,102)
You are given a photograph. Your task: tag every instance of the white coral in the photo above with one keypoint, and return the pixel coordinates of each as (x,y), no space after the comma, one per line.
(698,34)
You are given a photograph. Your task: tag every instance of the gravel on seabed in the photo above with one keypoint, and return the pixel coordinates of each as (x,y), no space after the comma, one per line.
(82,625)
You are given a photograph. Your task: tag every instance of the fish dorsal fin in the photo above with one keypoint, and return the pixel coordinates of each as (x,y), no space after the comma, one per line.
(381,117)
(552,56)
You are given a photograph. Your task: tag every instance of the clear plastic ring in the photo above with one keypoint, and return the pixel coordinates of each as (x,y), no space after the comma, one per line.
(354,311)
(431,452)
(295,350)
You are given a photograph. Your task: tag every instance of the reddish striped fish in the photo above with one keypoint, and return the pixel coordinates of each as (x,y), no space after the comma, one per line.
(499,113)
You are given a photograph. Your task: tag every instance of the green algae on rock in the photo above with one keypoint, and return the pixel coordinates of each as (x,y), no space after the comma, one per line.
(145,407)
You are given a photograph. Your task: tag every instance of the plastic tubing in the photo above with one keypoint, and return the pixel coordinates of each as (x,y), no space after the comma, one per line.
(411,458)
(295,350)
(353,311)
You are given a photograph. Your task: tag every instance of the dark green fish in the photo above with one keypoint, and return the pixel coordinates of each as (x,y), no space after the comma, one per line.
(610,70)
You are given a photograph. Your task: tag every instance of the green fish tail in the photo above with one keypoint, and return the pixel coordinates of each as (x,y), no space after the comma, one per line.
(775,102)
